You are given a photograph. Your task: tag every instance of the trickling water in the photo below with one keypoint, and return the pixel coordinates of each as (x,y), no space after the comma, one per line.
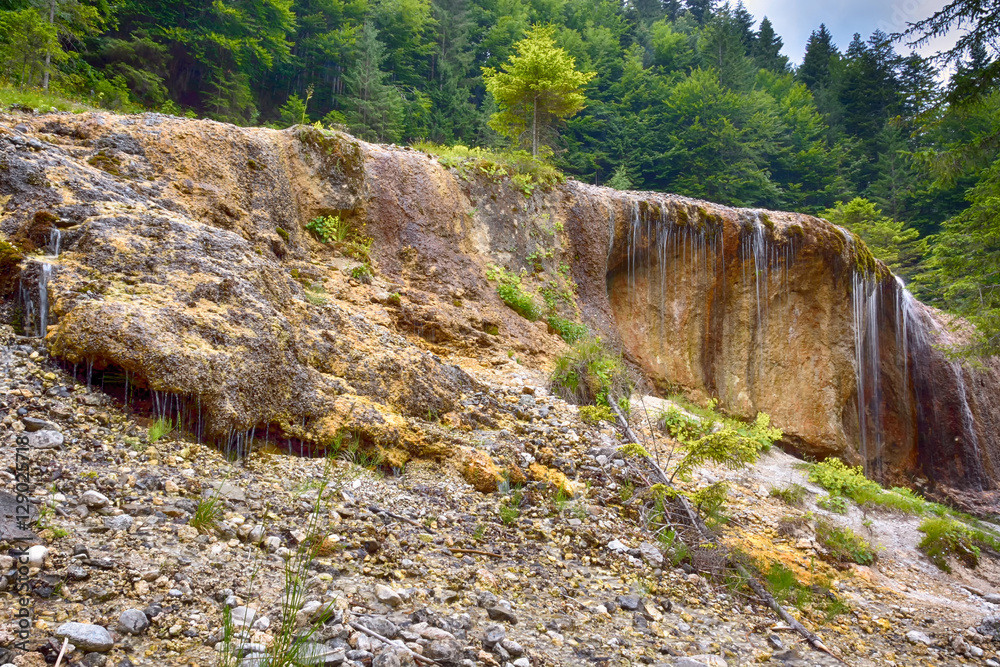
(55,241)
(865,311)
(43,298)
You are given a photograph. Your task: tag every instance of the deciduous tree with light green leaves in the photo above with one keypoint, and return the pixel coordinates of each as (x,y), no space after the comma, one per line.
(538,85)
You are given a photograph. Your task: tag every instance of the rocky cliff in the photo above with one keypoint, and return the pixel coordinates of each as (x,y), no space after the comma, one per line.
(176,270)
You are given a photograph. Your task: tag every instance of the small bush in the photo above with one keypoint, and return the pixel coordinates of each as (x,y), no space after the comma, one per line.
(590,374)
(524,171)
(793,494)
(833,502)
(947,537)
(592,414)
(362,273)
(328,228)
(844,545)
(568,330)
(838,478)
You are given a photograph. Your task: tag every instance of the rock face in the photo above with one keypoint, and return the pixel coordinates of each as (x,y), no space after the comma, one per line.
(188,282)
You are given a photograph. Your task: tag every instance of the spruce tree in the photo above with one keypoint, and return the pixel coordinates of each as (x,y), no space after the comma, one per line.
(815,70)
(375,108)
(700,9)
(767,48)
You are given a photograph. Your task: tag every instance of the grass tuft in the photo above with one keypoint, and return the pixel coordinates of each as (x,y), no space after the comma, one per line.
(793,494)
(843,544)
(160,428)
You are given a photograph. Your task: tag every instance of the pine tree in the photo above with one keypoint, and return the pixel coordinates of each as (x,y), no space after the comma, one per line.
(375,108)
(700,9)
(889,240)
(538,86)
(723,47)
(815,70)
(767,48)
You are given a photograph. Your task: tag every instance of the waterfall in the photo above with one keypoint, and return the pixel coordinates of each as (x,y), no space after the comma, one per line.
(865,311)
(43,298)
(55,240)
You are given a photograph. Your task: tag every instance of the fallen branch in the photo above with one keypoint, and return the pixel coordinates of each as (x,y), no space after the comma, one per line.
(62,651)
(398,517)
(393,642)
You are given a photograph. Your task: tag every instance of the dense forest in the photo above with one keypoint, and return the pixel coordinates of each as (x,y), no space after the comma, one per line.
(691,97)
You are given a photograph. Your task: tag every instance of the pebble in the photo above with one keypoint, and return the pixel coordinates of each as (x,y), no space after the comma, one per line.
(94,500)
(387,595)
(133,622)
(917,637)
(46,439)
(86,636)
(37,555)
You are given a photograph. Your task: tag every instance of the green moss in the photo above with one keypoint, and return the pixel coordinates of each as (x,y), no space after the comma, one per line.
(766,221)
(10,266)
(796,230)
(282,233)
(107,163)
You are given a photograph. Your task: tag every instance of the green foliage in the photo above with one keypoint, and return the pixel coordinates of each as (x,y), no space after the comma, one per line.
(328,228)
(511,293)
(519,167)
(568,330)
(840,479)
(536,87)
(889,240)
(833,502)
(620,179)
(711,502)
(207,514)
(944,538)
(159,428)
(793,494)
(376,108)
(593,414)
(362,273)
(591,374)
(843,544)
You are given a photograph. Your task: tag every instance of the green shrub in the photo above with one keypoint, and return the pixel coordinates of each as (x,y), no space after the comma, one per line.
(793,494)
(590,374)
(947,537)
(836,477)
(362,273)
(843,544)
(524,171)
(592,414)
(569,330)
(511,293)
(328,228)
(833,502)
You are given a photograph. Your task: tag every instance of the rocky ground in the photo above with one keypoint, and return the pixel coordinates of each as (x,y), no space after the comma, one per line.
(418,555)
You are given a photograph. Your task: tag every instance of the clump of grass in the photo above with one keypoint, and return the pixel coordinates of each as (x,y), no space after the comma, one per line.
(42,101)
(159,428)
(593,414)
(568,330)
(843,544)
(591,374)
(511,292)
(787,589)
(944,538)
(207,514)
(793,494)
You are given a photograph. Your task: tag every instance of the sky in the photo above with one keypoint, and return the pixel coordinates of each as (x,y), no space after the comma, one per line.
(794,20)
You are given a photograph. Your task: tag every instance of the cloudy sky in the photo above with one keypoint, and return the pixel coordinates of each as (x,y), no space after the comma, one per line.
(795,19)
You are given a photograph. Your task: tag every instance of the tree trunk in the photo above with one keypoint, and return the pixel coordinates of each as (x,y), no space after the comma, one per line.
(48,52)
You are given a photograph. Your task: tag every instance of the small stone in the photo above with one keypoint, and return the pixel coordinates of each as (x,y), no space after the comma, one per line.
(118,523)
(629,602)
(32,424)
(494,634)
(243,616)
(86,636)
(46,439)
(917,637)
(386,659)
(522,662)
(387,595)
(512,647)
(94,500)
(133,622)
(37,555)
(651,554)
(501,614)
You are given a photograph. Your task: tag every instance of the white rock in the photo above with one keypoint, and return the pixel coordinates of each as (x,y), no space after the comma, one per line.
(617,546)
(387,596)
(917,637)
(94,500)
(37,555)
(86,636)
